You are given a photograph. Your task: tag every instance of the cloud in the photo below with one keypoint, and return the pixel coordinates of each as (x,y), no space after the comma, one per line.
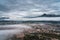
(26,8)
(3,8)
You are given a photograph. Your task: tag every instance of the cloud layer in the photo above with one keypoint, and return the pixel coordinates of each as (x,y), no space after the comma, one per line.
(27,8)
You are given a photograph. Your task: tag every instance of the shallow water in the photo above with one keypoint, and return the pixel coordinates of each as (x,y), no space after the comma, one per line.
(7,33)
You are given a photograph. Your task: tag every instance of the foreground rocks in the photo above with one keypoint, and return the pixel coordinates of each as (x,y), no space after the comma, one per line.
(38,32)
(35,36)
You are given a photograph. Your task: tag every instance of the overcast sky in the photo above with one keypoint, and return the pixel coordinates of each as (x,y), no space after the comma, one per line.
(23,8)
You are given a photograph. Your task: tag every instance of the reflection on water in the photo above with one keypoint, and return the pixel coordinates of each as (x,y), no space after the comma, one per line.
(17,28)
(5,33)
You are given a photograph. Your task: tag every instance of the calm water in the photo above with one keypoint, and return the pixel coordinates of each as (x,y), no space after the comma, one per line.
(7,33)
(44,18)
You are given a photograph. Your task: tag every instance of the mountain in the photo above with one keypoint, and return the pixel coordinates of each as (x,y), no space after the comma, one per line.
(3,18)
(44,15)
(49,15)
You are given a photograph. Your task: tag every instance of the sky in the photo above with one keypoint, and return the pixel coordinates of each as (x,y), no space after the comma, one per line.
(28,8)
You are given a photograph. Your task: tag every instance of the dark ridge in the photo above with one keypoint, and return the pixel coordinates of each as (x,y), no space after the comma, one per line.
(44,15)
(5,22)
(49,15)
(2,18)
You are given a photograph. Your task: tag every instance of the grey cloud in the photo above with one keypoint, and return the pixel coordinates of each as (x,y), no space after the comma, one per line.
(3,8)
(43,6)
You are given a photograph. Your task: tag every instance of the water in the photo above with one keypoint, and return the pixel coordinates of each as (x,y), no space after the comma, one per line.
(7,33)
(44,18)
(20,27)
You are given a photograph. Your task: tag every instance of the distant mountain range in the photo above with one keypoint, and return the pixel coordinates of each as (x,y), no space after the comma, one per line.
(49,15)
(44,15)
(6,22)
(3,18)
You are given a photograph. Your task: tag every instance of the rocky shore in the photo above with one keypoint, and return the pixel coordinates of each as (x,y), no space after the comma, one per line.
(39,32)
